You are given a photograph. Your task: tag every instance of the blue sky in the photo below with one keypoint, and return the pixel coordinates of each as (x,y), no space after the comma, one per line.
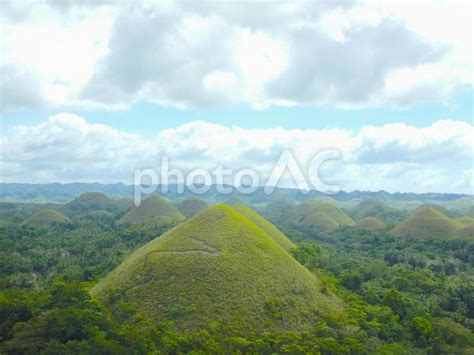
(149,118)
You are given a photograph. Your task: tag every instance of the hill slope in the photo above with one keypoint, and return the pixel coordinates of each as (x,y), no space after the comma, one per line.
(267,227)
(434,206)
(191,206)
(219,267)
(46,218)
(320,222)
(377,209)
(466,220)
(309,207)
(427,222)
(279,208)
(89,201)
(370,223)
(154,209)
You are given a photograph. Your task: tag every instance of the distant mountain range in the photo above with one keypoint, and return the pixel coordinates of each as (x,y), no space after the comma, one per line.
(57,192)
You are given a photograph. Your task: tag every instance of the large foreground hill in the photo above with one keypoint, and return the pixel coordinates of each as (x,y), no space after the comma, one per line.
(219,268)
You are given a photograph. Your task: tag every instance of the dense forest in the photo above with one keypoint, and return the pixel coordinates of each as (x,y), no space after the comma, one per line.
(400,294)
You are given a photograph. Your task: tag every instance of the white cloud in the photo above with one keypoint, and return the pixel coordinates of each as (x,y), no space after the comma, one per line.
(445,140)
(58,52)
(394,157)
(181,53)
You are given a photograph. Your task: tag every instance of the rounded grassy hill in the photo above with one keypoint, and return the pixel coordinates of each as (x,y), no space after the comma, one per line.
(90,201)
(374,208)
(154,209)
(219,268)
(370,223)
(320,221)
(308,207)
(427,222)
(434,206)
(46,218)
(268,227)
(191,206)
(279,208)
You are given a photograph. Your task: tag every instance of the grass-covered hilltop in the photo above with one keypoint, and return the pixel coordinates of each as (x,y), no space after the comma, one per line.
(370,223)
(191,206)
(154,209)
(222,269)
(427,222)
(353,273)
(265,225)
(304,211)
(46,218)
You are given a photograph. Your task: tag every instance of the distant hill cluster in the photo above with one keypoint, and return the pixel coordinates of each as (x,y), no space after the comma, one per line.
(423,221)
(416,218)
(56,192)
(402,214)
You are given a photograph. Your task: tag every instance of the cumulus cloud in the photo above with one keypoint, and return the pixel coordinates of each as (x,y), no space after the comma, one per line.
(163,57)
(19,89)
(67,147)
(353,71)
(394,157)
(445,140)
(207,54)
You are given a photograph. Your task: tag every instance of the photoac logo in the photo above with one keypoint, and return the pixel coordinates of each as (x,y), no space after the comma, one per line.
(148,181)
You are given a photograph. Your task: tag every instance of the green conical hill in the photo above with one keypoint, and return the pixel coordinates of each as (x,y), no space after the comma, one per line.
(466,220)
(427,222)
(370,223)
(191,206)
(221,268)
(320,221)
(90,198)
(432,205)
(86,203)
(46,218)
(279,208)
(154,209)
(309,207)
(89,201)
(372,208)
(262,223)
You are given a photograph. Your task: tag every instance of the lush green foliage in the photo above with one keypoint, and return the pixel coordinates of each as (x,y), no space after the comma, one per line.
(405,295)
(426,285)
(82,251)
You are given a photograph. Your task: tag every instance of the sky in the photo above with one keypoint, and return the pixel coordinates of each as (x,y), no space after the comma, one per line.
(93,90)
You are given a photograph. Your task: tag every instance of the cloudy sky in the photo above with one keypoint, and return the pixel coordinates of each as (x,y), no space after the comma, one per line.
(91,92)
